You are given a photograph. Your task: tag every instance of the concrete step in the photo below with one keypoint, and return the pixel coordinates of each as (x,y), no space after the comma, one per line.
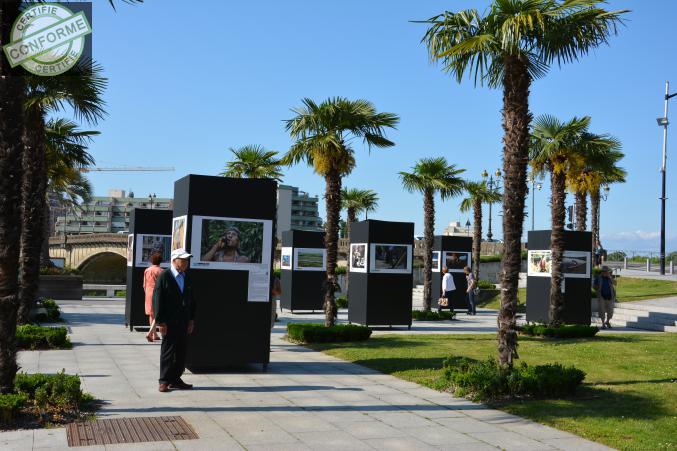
(638,306)
(637,323)
(627,315)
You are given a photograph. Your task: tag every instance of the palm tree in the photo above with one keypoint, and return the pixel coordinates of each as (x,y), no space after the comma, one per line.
(514,43)
(324,134)
(602,178)
(478,193)
(430,176)
(81,90)
(253,161)
(356,201)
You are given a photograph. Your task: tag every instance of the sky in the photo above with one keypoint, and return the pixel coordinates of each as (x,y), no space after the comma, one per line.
(188,80)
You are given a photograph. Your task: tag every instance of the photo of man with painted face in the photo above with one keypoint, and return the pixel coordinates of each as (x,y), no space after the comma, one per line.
(227,248)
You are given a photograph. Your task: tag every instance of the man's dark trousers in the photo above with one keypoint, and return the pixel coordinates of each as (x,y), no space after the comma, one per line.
(173,353)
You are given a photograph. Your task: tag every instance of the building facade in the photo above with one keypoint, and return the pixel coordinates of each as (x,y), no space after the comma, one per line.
(297,210)
(455,228)
(108,214)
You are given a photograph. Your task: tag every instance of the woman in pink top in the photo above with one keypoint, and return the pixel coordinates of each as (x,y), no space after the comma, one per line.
(150,275)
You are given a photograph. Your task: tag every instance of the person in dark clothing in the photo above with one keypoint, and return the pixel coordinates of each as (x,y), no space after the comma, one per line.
(606,296)
(174,308)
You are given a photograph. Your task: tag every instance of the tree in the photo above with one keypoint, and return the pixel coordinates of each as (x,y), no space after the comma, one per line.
(431,176)
(323,135)
(478,193)
(602,178)
(356,201)
(255,162)
(81,89)
(514,43)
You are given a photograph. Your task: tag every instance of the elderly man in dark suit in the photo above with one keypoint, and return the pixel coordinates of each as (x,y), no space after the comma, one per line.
(174,308)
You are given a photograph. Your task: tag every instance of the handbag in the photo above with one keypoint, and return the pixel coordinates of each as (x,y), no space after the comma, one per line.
(443,302)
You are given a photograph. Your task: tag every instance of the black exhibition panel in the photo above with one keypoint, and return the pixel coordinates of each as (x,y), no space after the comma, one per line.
(380,299)
(302,289)
(577,305)
(142,222)
(444,244)
(229,330)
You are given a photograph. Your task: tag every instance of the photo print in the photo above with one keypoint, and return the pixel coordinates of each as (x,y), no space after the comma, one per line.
(310,259)
(455,261)
(436,261)
(285,257)
(390,258)
(179,233)
(147,245)
(130,249)
(576,264)
(539,263)
(358,257)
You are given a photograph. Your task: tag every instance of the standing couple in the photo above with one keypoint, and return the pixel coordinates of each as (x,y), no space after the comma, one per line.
(448,288)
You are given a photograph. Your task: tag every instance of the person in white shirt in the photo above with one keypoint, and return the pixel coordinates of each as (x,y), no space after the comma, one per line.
(448,288)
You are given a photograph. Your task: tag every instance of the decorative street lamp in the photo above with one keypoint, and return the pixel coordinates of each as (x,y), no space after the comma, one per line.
(663,122)
(151,198)
(467,227)
(534,186)
(494,185)
(604,195)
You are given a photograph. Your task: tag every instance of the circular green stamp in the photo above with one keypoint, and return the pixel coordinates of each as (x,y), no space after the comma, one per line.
(47,39)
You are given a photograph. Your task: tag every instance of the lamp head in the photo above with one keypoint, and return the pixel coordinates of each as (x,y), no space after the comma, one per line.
(485,174)
(662,121)
(498,173)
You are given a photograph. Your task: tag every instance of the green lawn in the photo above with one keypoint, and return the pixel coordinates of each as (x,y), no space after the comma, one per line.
(628,289)
(629,400)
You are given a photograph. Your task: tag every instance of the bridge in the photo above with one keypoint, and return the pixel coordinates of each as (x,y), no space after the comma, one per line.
(101,257)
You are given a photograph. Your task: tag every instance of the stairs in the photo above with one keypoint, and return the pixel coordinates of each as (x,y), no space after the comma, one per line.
(636,315)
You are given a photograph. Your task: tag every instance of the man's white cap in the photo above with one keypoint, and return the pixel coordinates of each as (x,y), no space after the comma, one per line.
(180,253)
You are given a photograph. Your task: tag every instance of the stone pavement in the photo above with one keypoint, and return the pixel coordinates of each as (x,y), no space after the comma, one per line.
(306,400)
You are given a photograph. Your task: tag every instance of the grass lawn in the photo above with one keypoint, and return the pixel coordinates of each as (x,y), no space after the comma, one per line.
(627,290)
(629,400)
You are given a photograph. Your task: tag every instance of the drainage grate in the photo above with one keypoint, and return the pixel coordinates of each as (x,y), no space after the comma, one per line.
(129,430)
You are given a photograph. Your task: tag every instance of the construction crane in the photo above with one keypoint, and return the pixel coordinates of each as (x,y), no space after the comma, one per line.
(127,169)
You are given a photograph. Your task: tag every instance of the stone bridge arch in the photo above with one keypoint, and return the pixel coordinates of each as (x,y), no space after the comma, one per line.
(100,256)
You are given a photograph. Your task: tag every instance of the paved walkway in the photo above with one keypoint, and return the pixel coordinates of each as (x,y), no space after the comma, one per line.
(306,400)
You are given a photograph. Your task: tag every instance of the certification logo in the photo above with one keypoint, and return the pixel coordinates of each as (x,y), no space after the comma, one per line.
(49,38)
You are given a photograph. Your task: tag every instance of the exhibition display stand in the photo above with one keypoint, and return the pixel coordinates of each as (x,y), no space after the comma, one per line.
(303,264)
(228,226)
(381,279)
(577,281)
(149,231)
(454,253)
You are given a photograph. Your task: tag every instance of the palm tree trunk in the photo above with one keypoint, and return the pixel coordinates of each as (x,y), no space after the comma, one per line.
(351,218)
(333,206)
(477,239)
(516,119)
(558,216)
(45,261)
(34,192)
(12,93)
(581,211)
(428,242)
(594,212)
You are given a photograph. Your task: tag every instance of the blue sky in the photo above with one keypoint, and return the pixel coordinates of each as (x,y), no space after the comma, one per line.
(187,82)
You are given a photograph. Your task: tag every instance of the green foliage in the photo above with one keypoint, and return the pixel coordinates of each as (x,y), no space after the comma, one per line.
(39,337)
(566,331)
(490,258)
(255,162)
(10,405)
(53,312)
(434,175)
(488,381)
(342,302)
(251,236)
(51,390)
(55,271)
(318,333)
(277,273)
(483,284)
(616,256)
(425,315)
(341,270)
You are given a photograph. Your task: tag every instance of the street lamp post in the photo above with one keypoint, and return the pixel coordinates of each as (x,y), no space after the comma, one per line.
(604,195)
(151,198)
(663,122)
(494,185)
(467,227)
(534,186)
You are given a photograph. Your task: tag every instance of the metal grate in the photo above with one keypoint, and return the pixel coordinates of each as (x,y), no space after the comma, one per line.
(129,430)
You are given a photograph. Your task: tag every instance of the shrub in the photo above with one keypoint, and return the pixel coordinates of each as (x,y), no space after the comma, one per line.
(341,270)
(318,333)
(484,284)
(277,273)
(10,404)
(53,311)
(565,331)
(490,258)
(427,315)
(58,390)
(488,381)
(40,337)
(342,302)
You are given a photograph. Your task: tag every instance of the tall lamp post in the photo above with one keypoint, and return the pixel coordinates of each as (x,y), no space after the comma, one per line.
(151,198)
(494,185)
(663,122)
(534,186)
(604,195)
(467,227)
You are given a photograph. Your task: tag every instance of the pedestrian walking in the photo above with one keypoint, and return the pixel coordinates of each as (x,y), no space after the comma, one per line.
(606,296)
(150,276)
(174,308)
(448,288)
(470,292)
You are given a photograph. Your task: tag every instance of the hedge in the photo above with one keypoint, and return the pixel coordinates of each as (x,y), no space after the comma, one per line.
(318,333)
(10,405)
(565,331)
(428,315)
(58,390)
(342,302)
(53,313)
(40,337)
(484,284)
(488,381)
